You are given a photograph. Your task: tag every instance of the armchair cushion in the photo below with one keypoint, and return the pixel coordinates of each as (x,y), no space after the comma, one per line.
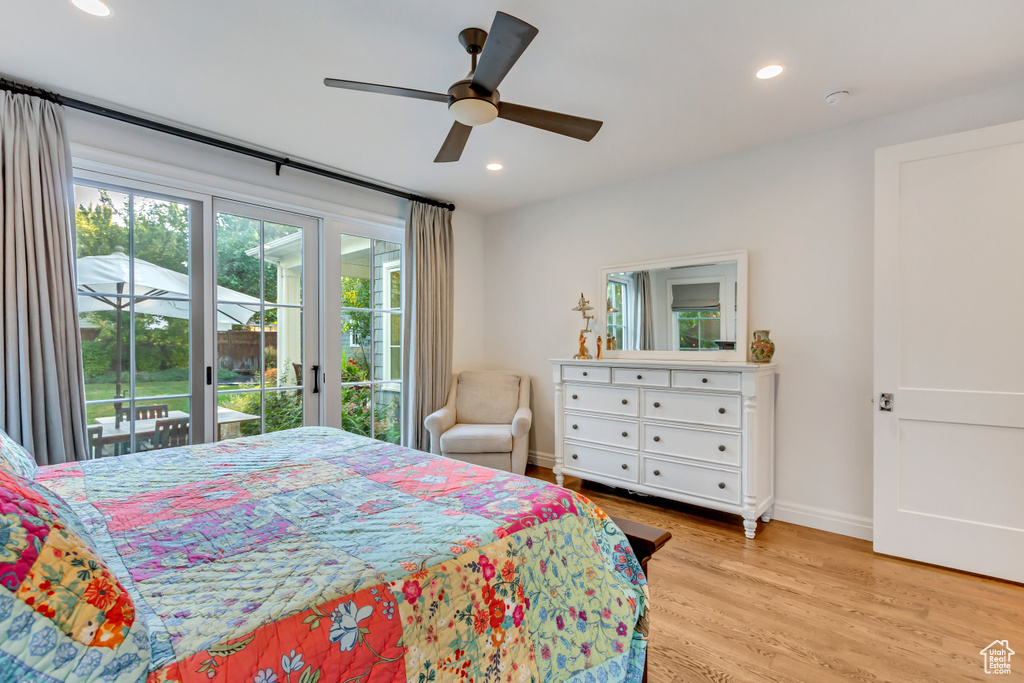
(477,438)
(487,398)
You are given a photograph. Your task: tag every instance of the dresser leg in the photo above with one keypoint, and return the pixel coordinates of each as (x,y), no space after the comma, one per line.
(749,525)
(767,516)
(559,478)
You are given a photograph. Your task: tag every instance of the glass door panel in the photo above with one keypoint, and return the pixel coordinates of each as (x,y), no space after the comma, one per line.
(134,281)
(262,342)
(364,395)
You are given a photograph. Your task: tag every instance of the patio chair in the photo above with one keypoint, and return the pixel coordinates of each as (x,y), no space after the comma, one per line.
(150,412)
(171,432)
(116,444)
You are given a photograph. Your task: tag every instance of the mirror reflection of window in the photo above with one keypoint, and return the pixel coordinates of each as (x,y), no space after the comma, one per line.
(696,307)
(618,296)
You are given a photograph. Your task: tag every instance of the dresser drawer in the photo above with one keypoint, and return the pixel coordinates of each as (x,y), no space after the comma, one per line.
(599,461)
(695,379)
(617,433)
(602,399)
(682,406)
(707,482)
(698,444)
(586,373)
(641,377)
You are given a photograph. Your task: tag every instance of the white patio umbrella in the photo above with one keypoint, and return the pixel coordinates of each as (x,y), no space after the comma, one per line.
(107,278)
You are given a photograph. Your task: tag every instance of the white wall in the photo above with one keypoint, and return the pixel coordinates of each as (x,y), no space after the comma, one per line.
(804,210)
(93,131)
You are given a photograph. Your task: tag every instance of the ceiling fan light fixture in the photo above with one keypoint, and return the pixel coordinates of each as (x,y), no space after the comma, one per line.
(495,166)
(473,112)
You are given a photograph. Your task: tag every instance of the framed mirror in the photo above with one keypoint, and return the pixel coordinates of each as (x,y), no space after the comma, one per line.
(692,307)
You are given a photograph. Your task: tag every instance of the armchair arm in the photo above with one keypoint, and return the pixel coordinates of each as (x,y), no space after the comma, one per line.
(437,423)
(521,422)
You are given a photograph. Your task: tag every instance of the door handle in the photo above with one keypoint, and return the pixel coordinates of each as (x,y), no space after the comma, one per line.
(885,403)
(316,379)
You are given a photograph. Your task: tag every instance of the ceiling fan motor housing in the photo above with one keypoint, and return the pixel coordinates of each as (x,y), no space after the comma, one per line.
(472,107)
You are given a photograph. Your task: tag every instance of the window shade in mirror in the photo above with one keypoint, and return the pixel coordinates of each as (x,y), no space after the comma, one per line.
(696,297)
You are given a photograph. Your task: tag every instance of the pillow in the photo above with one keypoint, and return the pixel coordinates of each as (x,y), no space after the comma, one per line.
(62,610)
(487,398)
(15,459)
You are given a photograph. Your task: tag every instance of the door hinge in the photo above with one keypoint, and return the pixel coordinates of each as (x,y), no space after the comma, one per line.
(885,403)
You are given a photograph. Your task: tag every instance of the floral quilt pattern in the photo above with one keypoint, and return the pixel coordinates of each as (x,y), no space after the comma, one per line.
(316,555)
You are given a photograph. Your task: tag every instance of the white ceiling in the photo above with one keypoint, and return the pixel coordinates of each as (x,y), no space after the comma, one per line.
(671,79)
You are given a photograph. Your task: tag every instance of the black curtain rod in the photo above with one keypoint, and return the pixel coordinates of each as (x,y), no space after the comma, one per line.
(278,161)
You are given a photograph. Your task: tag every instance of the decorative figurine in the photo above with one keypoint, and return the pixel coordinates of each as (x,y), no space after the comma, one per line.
(611,343)
(583,354)
(600,349)
(762,348)
(583,306)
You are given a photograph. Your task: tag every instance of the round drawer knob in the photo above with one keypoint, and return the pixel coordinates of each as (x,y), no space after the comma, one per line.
(574,396)
(625,466)
(657,405)
(625,433)
(584,374)
(704,380)
(575,457)
(575,426)
(721,484)
(657,473)
(625,402)
(721,411)
(639,376)
(657,438)
(721,448)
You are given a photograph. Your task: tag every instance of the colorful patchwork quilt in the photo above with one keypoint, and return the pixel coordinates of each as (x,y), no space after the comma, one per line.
(314,555)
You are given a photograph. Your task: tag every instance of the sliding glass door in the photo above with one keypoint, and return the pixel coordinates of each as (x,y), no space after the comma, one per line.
(267,348)
(363,333)
(205,319)
(137,317)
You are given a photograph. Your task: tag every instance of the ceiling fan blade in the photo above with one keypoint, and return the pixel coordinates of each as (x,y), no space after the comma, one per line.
(386,89)
(453,145)
(563,124)
(508,39)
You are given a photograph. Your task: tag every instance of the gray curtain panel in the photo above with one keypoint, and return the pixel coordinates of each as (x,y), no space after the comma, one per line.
(429,303)
(643,310)
(42,391)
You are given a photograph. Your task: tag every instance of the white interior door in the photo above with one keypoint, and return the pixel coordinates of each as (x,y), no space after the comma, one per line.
(949,281)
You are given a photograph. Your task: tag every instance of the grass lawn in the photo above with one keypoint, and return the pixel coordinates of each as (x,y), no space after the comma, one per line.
(101,391)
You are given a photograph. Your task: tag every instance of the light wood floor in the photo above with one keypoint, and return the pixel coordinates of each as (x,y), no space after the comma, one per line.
(798,604)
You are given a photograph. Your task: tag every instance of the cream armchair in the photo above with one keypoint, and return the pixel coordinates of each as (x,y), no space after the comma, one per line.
(486,421)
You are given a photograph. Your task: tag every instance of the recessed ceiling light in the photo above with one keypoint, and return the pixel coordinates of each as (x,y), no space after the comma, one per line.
(770,71)
(93,7)
(495,166)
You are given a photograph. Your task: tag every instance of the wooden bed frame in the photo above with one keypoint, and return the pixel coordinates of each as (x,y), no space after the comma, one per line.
(645,541)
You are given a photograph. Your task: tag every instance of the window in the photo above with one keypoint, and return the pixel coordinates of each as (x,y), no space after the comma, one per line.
(618,299)
(371,336)
(134,282)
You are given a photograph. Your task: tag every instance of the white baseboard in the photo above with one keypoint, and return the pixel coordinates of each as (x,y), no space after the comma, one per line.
(542,459)
(824,519)
(794,513)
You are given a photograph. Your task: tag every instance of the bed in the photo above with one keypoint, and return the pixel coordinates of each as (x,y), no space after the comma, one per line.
(317,555)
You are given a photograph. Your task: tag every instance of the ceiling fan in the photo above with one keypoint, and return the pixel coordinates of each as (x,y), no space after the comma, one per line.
(474,100)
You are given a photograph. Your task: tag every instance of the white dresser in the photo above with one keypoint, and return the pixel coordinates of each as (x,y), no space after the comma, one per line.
(699,432)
